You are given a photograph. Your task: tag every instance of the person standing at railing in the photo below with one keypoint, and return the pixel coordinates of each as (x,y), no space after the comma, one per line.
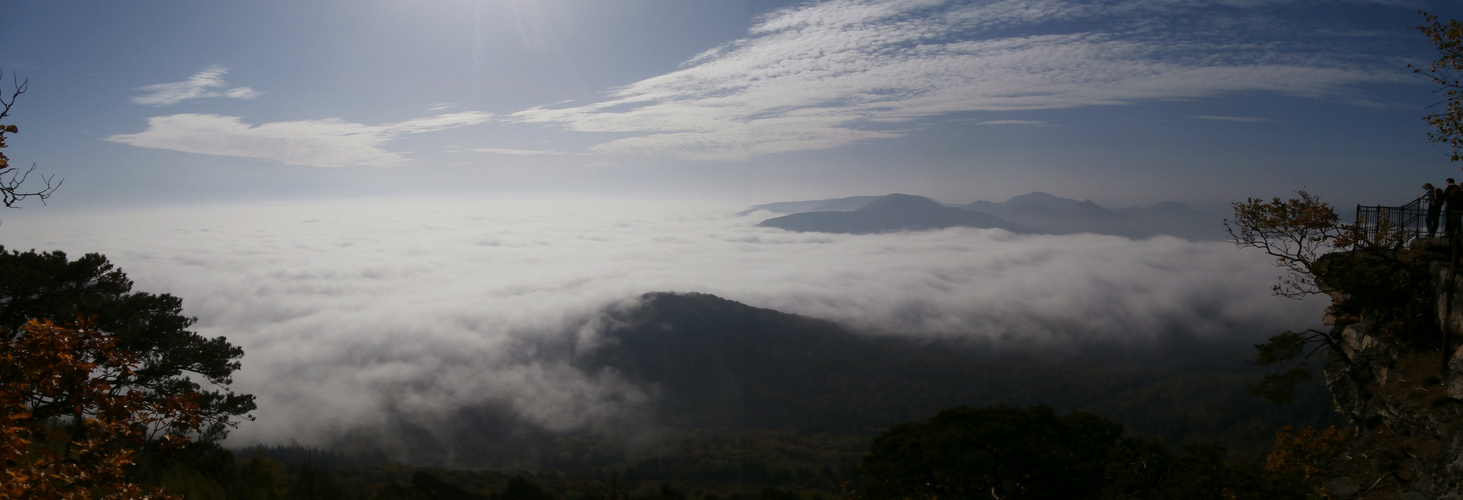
(1453,205)
(1432,196)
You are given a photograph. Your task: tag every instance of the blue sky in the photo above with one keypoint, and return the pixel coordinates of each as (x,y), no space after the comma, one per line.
(1122,102)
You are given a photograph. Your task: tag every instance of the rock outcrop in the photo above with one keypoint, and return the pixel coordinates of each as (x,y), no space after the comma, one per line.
(1389,377)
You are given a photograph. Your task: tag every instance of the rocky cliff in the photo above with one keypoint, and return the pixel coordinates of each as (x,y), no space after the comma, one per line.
(1392,319)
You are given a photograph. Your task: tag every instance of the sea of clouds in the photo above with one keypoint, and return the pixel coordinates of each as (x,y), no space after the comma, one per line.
(354,313)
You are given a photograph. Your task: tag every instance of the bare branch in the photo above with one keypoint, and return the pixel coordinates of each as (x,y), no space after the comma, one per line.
(20,88)
(12,180)
(1296,232)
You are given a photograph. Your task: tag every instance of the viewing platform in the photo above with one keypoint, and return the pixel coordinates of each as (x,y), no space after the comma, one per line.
(1408,221)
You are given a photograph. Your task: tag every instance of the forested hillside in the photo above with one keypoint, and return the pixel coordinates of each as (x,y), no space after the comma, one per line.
(750,389)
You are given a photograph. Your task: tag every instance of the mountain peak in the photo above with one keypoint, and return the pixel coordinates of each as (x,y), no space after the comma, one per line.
(1044,199)
(894,212)
(897,201)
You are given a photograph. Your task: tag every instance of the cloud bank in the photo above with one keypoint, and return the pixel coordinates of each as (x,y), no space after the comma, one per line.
(829,74)
(205,84)
(331,142)
(355,314)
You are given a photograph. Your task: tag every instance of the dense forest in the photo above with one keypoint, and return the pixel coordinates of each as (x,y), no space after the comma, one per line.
(963,452)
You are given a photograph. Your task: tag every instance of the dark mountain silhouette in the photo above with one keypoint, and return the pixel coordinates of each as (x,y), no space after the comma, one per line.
(895,212)
(1064,216)
(1057,215)
(1036,212)
(1042,201)
(720,364)
(828,205)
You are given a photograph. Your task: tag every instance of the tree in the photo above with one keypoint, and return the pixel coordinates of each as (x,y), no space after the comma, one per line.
(520,488)
(1447,73)
(1359,269)
(86,453)
(998,452)
(1305,452)
(1297,232)
(427,486)
(1013,453)
(172,361)
(12,180)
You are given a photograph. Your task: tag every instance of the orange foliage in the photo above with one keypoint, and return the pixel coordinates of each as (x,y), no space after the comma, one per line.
(84,455)
(1447,73)
(1297,232)
(11,179)
(1305,451)
(5,162)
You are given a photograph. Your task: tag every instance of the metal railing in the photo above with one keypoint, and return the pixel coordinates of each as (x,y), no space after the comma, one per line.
(1409,221)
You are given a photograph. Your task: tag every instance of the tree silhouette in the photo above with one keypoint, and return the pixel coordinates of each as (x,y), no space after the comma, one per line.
(173,361)
(12,179)
(87,454)
(1297,232)
(998,452)
(1447,73)
(1033,453)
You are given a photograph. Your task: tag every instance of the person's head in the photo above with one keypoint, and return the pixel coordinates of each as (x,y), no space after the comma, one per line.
(1450,181)
(1427,185)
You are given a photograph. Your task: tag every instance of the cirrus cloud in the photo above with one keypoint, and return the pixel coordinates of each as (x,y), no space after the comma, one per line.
(1236,119)
(204,84)
(833,73)
(516,152)
(331,142)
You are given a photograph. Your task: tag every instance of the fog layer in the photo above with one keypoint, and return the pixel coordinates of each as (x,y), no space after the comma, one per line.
(353,314)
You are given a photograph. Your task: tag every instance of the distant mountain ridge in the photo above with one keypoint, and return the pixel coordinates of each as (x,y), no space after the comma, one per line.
(722,364)
(1036,212)
(828,205)
(895,212)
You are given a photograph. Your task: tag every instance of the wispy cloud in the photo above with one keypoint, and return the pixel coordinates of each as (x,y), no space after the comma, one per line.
(1015,122)
(439,122)
(834,73)
(515,152)
(1238,119)
(331,142)
(204,84)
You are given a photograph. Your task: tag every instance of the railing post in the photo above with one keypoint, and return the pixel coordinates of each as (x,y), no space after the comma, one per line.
(1404,223)
(1448,301)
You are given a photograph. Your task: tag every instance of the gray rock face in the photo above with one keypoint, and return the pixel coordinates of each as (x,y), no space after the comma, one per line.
(1407,411)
